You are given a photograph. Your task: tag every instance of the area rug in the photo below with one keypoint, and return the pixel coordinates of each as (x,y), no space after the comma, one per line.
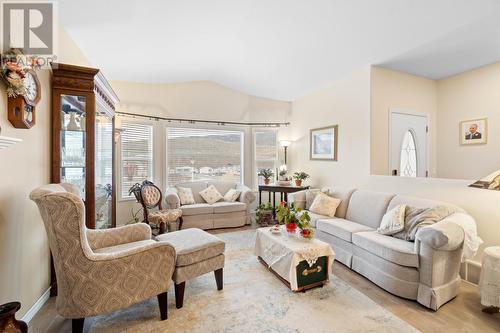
(254,300)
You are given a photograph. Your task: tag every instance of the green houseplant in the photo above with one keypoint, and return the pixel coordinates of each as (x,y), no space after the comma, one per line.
(264,214)
(267,174)
(294,217)
(299,177)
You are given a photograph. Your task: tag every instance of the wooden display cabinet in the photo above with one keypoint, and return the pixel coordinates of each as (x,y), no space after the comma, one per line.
(83,148)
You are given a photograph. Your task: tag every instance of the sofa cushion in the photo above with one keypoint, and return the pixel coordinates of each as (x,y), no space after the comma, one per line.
(232,195)
(419,202)
(341,228)
(193,245)
(196,187)
(393,221)
(389,248)
(325,205)
(228,207)
(223,187)
(368,207)
(123,247)
(345,196)
(186,195)
(211,195)
(197,209)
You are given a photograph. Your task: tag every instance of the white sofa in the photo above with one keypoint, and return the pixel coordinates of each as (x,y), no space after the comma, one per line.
(218,215)
(426,270)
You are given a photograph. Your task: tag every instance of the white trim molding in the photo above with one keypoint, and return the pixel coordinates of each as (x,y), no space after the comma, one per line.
(36,307)
(6,141)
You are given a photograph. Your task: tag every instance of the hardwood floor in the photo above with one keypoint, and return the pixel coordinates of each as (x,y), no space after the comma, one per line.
(461,315)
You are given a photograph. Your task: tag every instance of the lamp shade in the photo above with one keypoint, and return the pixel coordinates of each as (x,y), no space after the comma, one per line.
(285,143)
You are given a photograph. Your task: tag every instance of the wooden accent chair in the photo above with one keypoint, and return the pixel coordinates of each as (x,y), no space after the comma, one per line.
(150,197)
(100,271)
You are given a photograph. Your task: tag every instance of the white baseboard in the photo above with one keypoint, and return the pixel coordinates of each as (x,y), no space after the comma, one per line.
(36,307)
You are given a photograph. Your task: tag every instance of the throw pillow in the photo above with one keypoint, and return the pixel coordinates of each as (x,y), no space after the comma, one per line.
(232,195)
(417,218)
(325,205)
(393,221)
(185,195)
(311,194)
(211,195)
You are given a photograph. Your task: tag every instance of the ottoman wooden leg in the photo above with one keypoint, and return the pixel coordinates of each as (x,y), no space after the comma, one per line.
(77,325)
(180,223)
(219,278)
(179,294)
(491,309)
(163,304)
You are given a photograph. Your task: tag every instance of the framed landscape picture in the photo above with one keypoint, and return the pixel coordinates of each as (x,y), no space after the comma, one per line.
(323,143)
(474,132)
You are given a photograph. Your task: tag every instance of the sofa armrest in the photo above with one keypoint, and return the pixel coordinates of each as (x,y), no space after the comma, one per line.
(442,236)
(298,198)
(100,238)
(247,195)
(172,199)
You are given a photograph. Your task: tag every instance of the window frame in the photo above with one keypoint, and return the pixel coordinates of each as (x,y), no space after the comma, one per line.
(121,160)
(241,131)
(255,178)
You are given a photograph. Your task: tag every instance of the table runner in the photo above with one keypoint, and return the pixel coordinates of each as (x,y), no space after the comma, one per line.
(283,253)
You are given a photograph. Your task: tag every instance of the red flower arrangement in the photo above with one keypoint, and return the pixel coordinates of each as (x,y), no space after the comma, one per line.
(293,218)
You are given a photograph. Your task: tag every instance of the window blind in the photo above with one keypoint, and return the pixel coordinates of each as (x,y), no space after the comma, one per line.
(265,152)
(136,155)
(195,154)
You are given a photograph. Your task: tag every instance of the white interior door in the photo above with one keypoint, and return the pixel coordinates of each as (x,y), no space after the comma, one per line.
(408,144)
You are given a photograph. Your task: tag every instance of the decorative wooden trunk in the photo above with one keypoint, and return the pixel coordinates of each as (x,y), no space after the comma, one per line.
(312,276)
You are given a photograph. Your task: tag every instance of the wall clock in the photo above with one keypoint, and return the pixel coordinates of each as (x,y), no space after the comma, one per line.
(21,109)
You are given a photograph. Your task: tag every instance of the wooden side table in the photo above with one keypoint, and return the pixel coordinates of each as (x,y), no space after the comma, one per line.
(489,282)
(283,190)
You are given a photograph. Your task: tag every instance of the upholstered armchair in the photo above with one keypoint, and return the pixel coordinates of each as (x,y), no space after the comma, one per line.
(99,271)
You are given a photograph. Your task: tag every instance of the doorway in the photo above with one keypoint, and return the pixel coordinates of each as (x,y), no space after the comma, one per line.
(408,144)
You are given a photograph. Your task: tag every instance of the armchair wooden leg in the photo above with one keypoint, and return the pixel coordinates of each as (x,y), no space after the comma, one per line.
(219,278)
(163,304)
(162,228)
(77,325)
(180,223)
(179,294)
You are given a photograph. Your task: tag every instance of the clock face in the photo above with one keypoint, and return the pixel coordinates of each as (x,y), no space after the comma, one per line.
(31,85)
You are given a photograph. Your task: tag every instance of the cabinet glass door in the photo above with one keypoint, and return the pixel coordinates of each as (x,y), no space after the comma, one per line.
(103,168)
(73,113)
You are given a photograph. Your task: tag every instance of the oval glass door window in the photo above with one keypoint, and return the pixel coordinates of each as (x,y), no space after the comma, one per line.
(408,165)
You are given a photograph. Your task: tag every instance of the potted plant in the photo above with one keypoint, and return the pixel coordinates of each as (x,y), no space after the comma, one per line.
(294,218)
(299,177)
(267,174)
(264,214)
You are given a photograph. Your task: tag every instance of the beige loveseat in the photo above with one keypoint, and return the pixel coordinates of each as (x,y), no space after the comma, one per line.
(426,270)
(212,216)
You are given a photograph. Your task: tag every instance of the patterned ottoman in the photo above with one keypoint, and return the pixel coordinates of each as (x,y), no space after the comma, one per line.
(198,253)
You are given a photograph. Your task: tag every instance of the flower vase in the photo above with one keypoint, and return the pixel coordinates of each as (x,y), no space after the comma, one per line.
(291,227)
(298,182)
(267,181)
(8,321)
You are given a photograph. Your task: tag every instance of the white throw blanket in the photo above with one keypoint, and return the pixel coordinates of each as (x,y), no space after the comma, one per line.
(472,240)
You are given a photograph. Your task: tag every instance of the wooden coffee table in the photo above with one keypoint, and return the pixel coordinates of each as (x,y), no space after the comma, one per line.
(299,263)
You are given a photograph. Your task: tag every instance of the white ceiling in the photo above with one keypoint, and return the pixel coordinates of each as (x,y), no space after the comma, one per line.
(280,49)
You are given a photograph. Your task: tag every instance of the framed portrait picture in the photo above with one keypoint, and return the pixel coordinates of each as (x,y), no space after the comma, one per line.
(323,143)
(474,132)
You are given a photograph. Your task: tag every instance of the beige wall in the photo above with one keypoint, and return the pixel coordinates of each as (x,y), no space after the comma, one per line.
(408,93)
(192,100)
(345,102)
(470,95)
(24,251)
